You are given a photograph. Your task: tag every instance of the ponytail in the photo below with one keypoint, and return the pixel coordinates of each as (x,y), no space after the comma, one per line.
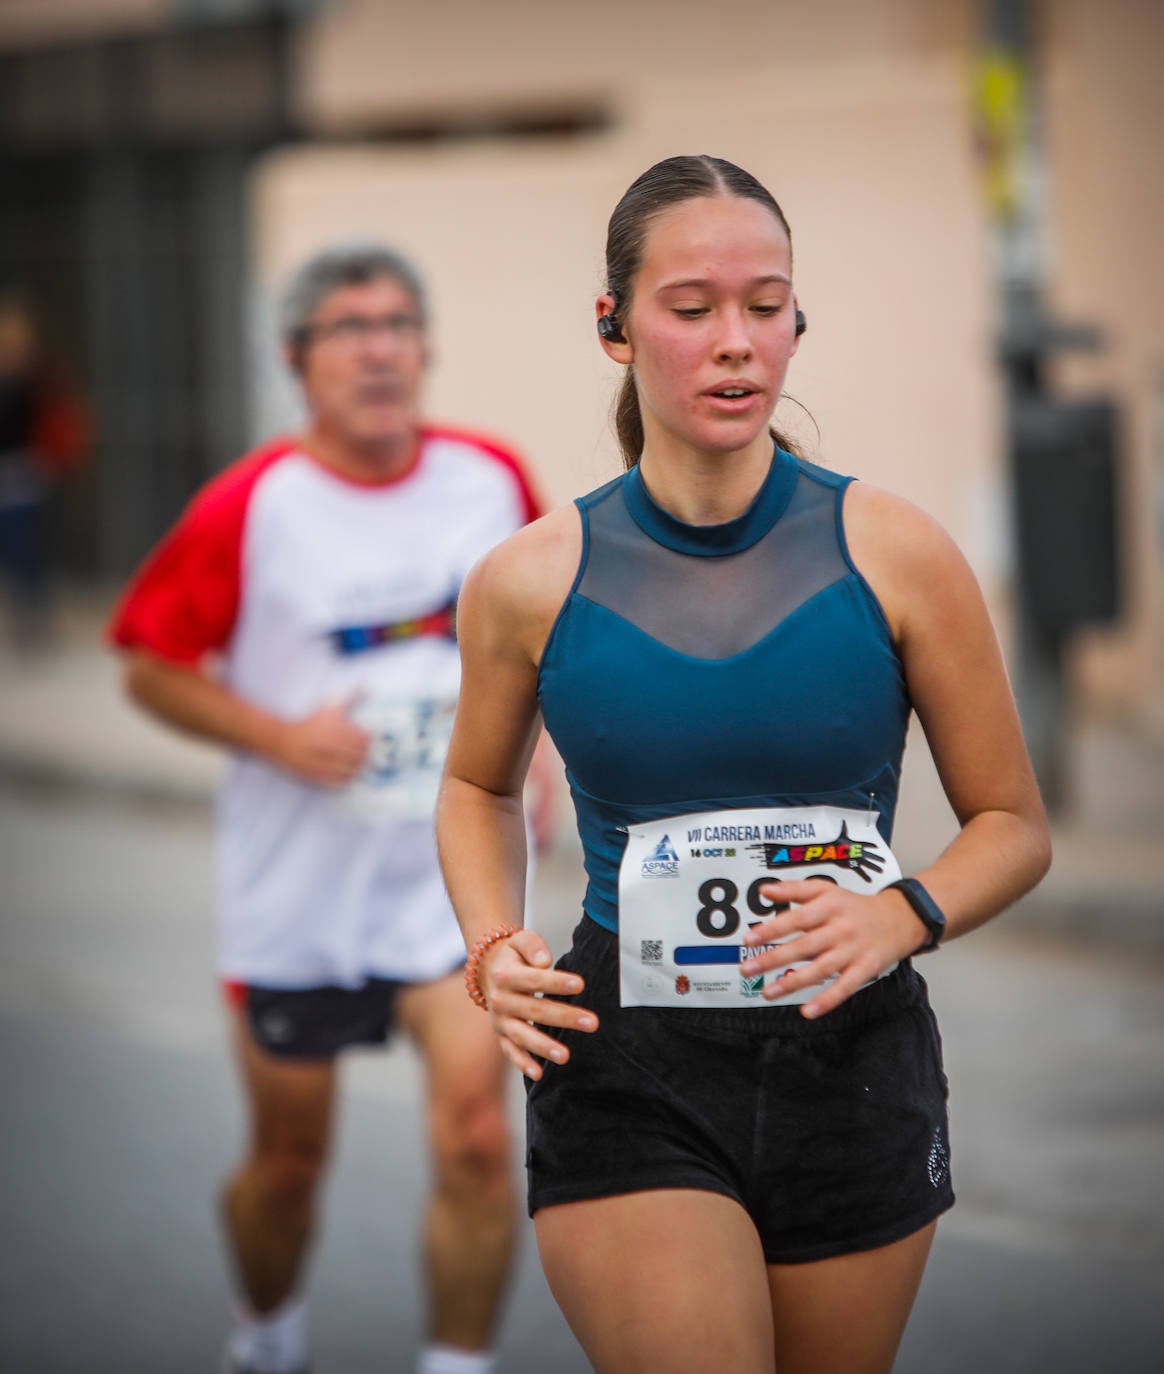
(628,421)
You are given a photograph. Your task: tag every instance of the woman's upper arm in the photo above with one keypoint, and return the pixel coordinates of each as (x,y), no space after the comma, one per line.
(507,605)
(954,668)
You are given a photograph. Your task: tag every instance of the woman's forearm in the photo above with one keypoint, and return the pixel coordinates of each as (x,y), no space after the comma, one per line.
(994,860)
(482,843)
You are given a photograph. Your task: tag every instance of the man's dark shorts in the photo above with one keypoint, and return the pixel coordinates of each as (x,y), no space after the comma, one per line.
(317,1023)
(830,1133)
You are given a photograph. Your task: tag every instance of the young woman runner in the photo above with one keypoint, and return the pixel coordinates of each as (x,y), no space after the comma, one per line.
(737,1138)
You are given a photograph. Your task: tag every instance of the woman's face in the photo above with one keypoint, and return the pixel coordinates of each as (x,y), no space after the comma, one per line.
(711,326)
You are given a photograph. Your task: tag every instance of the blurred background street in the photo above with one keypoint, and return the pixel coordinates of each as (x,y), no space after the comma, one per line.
(977,200)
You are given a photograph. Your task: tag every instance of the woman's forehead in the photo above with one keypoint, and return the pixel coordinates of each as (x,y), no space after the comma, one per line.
(716,233)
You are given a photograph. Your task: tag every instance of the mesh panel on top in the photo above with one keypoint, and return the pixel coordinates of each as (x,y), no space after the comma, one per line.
(710,605)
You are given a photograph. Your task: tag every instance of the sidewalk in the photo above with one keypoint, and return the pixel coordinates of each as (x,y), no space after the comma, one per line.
(65,723)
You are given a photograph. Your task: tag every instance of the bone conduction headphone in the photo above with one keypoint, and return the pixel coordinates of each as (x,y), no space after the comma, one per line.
(610,329)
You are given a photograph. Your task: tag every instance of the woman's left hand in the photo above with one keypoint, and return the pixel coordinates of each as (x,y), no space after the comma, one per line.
(852,935)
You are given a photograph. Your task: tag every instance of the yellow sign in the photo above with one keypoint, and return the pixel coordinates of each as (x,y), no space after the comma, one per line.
(1000,95)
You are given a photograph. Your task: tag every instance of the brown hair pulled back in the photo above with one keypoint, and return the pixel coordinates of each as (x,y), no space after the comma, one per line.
(667,183)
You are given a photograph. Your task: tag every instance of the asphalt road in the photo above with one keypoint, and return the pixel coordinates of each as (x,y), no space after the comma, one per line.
(118,1114)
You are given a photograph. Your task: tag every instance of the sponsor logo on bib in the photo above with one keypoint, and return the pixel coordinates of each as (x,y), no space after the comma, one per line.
(862,857)
(662,862)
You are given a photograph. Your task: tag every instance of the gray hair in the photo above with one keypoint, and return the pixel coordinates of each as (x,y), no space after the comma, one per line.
(343,264)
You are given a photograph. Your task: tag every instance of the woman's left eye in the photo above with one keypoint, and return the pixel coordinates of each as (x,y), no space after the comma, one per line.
(765,310)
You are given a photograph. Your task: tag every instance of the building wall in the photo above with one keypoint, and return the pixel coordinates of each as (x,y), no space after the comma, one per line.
(366,60)
(1105,108)
(866,147)
(857,114)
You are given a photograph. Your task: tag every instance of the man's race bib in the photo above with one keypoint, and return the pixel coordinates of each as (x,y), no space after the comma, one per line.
(410,738)
(689,890)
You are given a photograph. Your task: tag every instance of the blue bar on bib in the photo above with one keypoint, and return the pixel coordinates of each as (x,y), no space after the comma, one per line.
(708,954)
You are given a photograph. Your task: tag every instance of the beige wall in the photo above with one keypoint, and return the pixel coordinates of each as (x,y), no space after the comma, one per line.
(856,114)
(1105,108)
(367,60)
(873,166)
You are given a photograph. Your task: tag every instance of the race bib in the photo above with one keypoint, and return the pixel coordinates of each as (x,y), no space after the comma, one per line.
(689,890)
(410,738)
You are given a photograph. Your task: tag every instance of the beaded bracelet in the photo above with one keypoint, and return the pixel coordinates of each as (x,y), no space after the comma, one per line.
(473,962)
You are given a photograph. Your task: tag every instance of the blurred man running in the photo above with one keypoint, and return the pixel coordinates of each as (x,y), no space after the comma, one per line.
(302,614)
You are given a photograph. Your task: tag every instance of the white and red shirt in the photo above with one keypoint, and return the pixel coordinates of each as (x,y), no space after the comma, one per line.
(315,589)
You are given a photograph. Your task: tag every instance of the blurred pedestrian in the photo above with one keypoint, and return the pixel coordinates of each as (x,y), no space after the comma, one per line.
(737,1136)
(302,614)
(44,435)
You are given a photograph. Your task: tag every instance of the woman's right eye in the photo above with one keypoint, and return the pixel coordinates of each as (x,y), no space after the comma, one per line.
(690,312)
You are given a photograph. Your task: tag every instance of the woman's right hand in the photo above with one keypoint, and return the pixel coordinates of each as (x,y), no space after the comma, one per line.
(520,984)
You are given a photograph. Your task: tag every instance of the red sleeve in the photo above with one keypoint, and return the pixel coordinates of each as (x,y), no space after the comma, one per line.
(531,502)
(183,601)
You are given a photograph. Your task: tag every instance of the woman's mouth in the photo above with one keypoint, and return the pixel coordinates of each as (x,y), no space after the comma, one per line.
(732,398)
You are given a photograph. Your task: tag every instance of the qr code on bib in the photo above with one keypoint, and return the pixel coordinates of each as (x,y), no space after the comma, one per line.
(652,951)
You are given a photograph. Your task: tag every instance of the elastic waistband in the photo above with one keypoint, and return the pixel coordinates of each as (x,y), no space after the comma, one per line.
(596,949)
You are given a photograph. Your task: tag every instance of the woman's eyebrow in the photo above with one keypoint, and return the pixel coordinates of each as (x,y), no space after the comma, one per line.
(767,279)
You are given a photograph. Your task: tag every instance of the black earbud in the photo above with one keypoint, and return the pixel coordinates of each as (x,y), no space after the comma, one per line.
(610,329)
(801,323)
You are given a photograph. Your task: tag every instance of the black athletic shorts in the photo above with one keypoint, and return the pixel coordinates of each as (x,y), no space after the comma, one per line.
(830,1133)
(317,1023)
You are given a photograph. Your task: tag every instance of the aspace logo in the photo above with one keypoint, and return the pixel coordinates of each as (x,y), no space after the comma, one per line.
(861,856)
(663,862)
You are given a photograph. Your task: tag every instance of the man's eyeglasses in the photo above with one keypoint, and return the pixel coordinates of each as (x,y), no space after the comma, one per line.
(353,330)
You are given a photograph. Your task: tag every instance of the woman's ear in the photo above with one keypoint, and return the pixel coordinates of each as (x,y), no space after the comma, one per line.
(615,343)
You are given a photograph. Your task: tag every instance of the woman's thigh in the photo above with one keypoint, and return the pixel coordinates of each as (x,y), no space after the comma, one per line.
(667,1279)
(847,1313)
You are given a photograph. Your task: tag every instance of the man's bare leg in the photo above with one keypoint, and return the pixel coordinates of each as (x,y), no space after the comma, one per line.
(470,1223)
(269,1201)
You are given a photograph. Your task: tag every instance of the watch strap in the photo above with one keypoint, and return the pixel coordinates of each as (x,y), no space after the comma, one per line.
(927,910)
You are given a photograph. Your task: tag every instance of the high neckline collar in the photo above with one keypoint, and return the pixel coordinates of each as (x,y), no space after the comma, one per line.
(733,536)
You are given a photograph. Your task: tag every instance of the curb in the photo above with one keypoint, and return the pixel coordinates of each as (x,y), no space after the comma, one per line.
(67,779)
(1121,923)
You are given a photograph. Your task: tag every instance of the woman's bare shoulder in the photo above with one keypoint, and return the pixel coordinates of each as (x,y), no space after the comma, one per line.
(522,582)
(906,555)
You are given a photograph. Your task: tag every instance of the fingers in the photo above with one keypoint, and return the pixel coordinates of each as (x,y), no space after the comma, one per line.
(836,993)
(844,973)
(507,998)
(523,1042)
(518,1057)
(332,768)
(807,912)
(348,703)
(830,937)
(522,989)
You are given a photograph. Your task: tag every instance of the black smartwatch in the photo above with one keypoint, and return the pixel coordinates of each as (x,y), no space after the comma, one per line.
(928,911)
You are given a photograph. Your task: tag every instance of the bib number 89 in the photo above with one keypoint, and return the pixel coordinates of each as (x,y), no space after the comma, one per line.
(718,916)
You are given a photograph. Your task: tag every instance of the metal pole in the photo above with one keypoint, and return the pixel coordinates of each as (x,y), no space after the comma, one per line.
(1009,118)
